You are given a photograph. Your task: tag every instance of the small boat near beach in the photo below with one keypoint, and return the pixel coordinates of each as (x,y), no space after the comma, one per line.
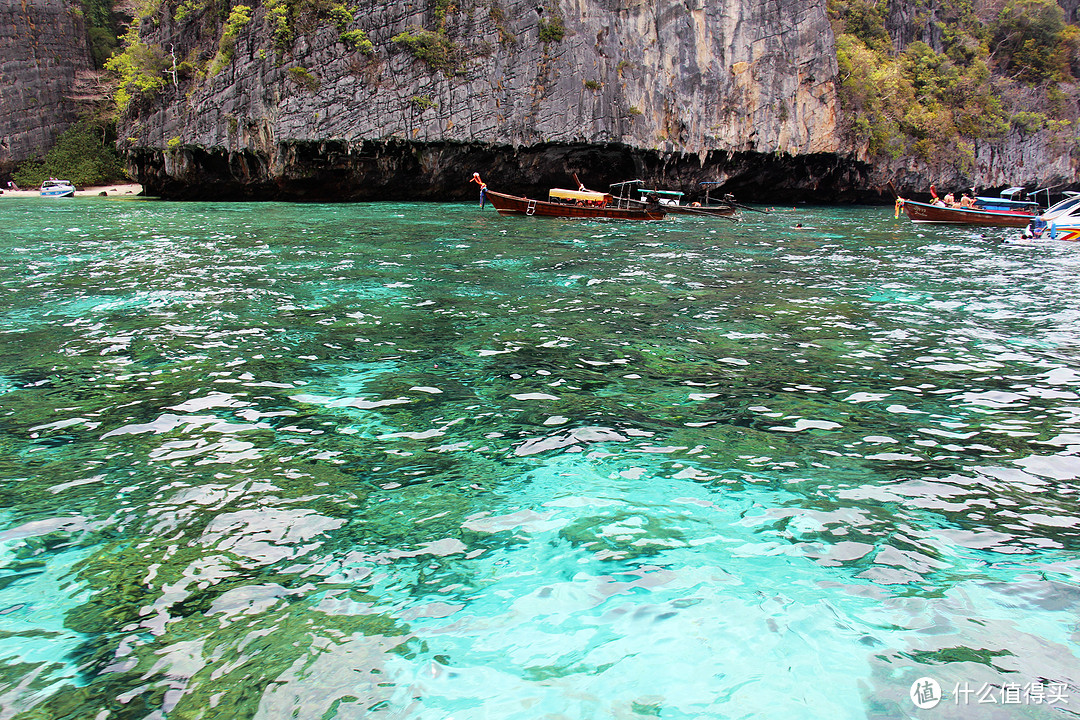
(1003,211)
(574,203)
(53,188)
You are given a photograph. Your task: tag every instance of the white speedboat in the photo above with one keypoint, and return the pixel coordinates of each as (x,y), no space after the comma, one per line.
(53,188)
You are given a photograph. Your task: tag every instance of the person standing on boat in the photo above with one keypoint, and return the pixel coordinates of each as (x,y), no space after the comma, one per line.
(483,187)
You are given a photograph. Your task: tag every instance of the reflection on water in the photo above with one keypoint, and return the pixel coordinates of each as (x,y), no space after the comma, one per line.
(419,461)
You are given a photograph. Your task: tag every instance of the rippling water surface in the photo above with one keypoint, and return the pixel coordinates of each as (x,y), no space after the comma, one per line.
(420,461)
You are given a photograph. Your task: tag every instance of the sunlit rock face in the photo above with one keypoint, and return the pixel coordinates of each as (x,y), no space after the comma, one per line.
(671,88)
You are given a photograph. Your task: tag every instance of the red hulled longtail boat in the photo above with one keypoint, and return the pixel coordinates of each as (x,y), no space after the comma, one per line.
(579,203)
(1005,211)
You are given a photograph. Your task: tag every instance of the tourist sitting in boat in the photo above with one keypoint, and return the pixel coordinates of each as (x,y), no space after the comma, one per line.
(966,201)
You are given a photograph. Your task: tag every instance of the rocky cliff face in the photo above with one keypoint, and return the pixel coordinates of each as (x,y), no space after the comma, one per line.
(1040,158)
(43,57)
(674,92)
(688,89)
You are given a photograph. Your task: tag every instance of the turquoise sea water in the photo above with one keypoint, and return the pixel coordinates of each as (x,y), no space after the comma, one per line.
(420,461)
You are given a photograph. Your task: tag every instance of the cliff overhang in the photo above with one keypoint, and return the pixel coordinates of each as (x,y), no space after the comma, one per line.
(341,171)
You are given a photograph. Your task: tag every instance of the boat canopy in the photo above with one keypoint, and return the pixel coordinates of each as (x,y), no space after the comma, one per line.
(662,193)
(575,195)
(1069,206)
(1006,200)
(992,203)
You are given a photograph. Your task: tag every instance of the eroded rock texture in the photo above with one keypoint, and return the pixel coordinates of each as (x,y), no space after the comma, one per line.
(43,52)
(689,90)
(671,92)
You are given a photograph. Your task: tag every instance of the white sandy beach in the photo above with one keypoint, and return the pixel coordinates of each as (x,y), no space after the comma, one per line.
(108,190)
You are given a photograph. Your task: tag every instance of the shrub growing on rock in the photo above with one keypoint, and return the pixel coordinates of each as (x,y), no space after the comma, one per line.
(433,48)
(357,41)
(303,77)
(239,16)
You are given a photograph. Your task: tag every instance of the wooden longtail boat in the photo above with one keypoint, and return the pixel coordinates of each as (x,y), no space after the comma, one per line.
(569,204)
(672,202)
(927,213)
(1005,211)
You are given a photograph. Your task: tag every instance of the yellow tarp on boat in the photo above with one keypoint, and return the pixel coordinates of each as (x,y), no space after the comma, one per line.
(575,195)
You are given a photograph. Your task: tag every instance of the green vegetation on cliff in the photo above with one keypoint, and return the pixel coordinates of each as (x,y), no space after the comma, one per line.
(552,30)
(143,70)
(239,16)
(1034,42)
(987,76)
(140,70)
(303,78)
(101,29)
(287,19)
(358,41)
(433,48)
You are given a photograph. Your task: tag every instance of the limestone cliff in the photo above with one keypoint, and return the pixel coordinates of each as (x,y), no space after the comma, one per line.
(43,58)
(306,106)
(689,89)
